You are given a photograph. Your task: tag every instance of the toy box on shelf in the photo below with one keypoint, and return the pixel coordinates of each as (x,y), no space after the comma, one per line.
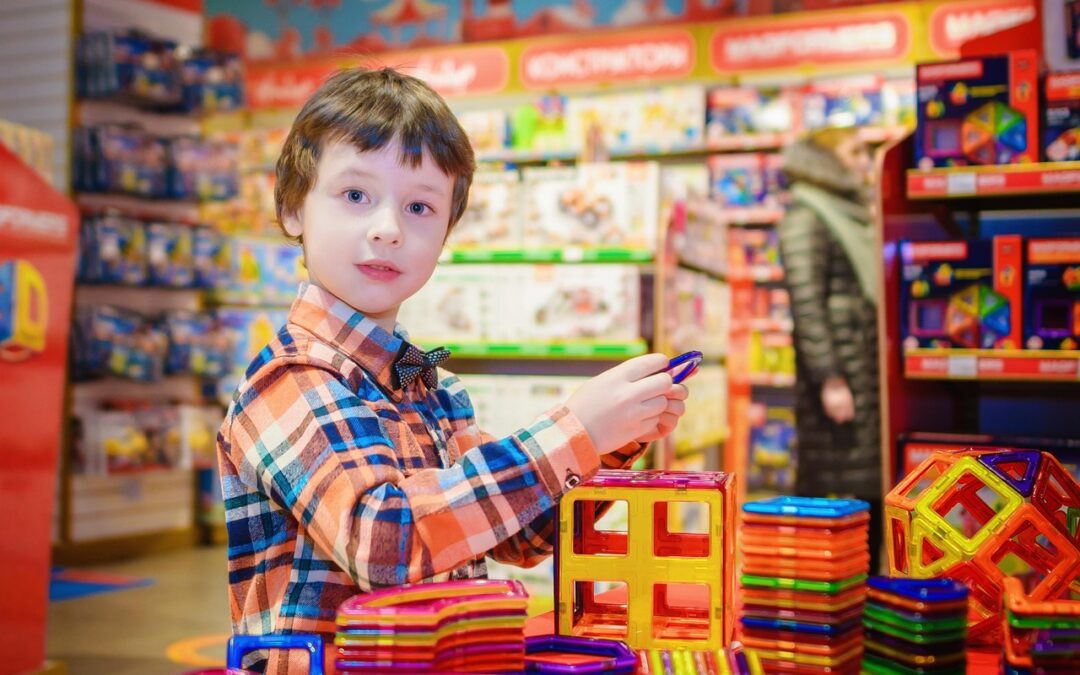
(980,515)
(978,111)
(965,294)
(488,130)
(1061,117)
(656,120)
(540,126)
(611,204)
(505,403)
(773,457)
(1052,294)
(515,303)
(493,216)
(138,437)
(747,111)
(158,73)
(672,588)
(697,313)
(262,271)
(745,180)
(755,254)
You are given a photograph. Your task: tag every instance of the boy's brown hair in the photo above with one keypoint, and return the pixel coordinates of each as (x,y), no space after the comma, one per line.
(368,109)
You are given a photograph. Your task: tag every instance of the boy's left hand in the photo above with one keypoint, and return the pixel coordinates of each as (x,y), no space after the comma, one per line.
(669,419)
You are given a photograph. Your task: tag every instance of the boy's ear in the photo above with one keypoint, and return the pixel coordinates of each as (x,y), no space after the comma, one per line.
(292,224)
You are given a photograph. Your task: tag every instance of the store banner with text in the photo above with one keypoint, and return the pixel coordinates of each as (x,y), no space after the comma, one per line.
(38,227)
(817,40)
(952,24)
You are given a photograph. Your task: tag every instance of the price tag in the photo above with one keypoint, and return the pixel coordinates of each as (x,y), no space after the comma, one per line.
(573,254)
(960,184)
(963,366)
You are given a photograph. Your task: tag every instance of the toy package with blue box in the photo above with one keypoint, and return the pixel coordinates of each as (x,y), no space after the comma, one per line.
(210,257)
(740,111)
(121,251)
(170,254)
(197,345)
(109,340)
(1061,117)
(961,294)
(247,330)
(738,180)
(1052,294)
(978,111)
(844,102)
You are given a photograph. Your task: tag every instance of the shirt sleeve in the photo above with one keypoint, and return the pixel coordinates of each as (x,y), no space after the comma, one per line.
(536,540)
(301,436)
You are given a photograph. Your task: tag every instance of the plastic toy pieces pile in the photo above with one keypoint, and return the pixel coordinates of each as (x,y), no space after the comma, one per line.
(1040,636)
(914,626)
(455,626)
(803,583)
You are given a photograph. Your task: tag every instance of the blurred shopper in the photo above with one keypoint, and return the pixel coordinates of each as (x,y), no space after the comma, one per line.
(831,266)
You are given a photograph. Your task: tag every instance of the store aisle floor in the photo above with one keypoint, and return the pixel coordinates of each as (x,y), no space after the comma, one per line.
(184,615)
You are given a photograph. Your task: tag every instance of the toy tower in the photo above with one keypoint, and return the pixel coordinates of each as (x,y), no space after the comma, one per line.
(678,585)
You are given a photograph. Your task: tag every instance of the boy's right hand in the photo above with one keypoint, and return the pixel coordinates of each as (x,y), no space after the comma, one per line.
(624,403)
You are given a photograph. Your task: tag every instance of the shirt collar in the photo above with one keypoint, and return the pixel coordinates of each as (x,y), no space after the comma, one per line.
(361,339)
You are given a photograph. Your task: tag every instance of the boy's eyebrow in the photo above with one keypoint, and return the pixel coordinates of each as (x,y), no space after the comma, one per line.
(363,173)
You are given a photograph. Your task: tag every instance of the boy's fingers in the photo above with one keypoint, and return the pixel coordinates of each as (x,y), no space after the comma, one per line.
(677,408)
(658,384)
(654,406)
(642,366)
(678,392)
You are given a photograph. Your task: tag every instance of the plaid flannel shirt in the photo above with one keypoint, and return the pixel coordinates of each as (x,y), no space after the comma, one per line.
(336,483)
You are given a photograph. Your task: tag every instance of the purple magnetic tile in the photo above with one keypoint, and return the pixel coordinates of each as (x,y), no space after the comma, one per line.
(1027,483)
(621,659)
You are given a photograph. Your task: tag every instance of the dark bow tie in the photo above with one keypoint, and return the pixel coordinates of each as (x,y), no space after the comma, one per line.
(412,363)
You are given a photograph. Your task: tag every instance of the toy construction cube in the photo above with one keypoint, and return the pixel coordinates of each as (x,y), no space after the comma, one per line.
(979,516)
(658,583)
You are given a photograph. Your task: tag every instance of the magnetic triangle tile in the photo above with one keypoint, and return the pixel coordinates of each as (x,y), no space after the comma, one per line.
(984,117)
(974,137)
(1030,459)
(1015,137)
(1006,118)
(989,300)
(998,320)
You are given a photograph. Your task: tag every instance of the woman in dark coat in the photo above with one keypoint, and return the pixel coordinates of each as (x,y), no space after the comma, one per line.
(831,268)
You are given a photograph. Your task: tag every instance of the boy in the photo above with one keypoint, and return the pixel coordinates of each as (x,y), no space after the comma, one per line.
(347,464)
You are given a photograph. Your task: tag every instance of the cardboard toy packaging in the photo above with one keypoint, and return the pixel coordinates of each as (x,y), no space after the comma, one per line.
(962,294)
(978,111)
(1052,294)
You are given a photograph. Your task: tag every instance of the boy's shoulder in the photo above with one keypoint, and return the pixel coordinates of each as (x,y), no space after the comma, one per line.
(295,346)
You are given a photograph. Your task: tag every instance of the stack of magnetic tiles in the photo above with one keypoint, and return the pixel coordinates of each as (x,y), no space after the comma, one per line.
(474,626)
(1041,636)
(915,626)
(804,570)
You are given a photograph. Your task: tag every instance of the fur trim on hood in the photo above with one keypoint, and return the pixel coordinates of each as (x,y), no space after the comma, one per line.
(807,162)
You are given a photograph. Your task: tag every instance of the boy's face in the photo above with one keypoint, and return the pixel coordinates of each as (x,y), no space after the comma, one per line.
(373,228)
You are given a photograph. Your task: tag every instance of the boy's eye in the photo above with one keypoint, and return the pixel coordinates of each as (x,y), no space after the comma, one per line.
(355,196)
(418,209)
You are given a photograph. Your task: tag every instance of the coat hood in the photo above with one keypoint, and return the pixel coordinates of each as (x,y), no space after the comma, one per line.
(804,161)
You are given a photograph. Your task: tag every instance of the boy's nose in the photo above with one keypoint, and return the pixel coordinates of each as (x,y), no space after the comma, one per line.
(385,227)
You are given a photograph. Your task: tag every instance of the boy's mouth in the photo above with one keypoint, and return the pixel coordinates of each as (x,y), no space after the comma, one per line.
(379,270)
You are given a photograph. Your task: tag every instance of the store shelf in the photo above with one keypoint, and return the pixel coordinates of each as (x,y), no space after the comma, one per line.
(772,380)
(992,365)
(172,210)
(578,349)
(716,273)
(145,299)
(759,273)
(182,388)
(994,181)
(765,325)
(759,215)
(547,255)
(749,142)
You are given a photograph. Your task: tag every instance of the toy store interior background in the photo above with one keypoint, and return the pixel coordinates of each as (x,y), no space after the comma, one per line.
(642,185)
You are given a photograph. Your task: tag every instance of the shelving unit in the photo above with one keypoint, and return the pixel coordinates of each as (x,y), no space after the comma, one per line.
(974,393)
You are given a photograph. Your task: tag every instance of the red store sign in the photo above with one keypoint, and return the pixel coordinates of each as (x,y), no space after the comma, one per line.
(867,36)
(662,55)
(953,24)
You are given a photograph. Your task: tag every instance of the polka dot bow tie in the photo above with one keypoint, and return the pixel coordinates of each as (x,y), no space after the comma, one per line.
(413,363)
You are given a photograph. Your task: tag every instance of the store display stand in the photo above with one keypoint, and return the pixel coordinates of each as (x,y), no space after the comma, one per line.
(945,391)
